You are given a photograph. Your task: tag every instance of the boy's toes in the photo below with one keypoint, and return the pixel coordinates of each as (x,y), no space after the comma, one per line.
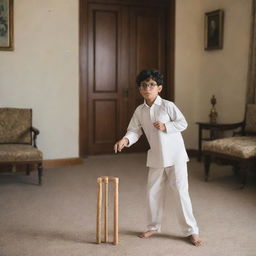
(195,240)
(147,234)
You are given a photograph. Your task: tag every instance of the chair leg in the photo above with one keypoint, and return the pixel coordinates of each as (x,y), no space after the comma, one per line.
(14,168)
(207,162)
(244,167)
(40,173)
(236,169)
(28,169)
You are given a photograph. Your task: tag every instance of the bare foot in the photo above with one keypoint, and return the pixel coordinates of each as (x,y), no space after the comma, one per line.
(147,234)
(195,240)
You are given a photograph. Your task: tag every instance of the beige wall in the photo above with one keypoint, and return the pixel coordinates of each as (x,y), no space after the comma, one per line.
(42,72)
(199,73)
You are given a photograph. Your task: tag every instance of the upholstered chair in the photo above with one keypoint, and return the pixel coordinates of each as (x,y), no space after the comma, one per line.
(238,150)
(18,140)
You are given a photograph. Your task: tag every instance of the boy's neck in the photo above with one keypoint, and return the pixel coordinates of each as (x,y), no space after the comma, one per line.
(150,102)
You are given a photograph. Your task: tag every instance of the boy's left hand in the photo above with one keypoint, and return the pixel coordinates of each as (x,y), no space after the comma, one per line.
(160,126)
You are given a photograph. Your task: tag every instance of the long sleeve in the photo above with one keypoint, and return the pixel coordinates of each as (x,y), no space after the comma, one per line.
(178,122)
(134,130)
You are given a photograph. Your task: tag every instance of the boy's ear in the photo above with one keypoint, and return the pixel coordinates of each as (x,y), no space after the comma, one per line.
(160,88)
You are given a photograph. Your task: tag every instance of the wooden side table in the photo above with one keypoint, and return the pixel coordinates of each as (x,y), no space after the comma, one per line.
(215,132)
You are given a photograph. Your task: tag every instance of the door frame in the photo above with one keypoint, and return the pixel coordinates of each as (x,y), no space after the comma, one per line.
(83,65)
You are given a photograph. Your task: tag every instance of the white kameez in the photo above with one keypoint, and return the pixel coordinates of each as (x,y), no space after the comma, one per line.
(166,148)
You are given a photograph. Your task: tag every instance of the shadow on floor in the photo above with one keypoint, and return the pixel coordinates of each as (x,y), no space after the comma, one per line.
(18,178)
(50,235)
(157,236)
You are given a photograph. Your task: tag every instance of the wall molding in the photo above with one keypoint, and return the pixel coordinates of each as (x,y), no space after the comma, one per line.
(53,163)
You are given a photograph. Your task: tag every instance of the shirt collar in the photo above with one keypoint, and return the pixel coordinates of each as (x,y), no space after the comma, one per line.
(157,101)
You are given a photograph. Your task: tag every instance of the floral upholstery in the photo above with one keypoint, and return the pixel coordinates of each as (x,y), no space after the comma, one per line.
(19,152)
(243,147)
(250,118)
(15,125)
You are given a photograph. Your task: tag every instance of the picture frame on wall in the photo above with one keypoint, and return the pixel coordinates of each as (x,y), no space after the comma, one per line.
(6,25)
(213,30)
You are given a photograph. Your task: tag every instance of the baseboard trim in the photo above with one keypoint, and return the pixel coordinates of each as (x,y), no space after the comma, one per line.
(192,153)
(53,163)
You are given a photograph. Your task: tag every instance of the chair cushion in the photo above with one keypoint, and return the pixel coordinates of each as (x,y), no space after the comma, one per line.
(250,118)
(243,147)
(15,125)
(17,152)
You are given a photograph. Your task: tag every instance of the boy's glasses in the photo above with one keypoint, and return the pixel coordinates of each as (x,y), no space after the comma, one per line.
(144,86)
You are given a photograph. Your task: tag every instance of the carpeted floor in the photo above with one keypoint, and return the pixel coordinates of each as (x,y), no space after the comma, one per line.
(59,217)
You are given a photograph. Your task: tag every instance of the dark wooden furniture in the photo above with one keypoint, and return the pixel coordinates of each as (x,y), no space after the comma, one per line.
(239,151)
(18,140)
(215,131)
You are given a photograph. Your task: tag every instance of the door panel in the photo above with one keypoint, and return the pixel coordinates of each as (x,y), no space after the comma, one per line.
(105,131)
(105,46)
(103,77)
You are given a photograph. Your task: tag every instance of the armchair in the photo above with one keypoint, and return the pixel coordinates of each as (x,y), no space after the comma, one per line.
(239,151)
(18,140)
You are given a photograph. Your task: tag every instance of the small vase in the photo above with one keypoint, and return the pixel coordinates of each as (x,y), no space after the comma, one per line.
(213,113)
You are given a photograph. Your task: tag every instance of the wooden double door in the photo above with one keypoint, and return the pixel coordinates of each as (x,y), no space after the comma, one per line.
(122,39)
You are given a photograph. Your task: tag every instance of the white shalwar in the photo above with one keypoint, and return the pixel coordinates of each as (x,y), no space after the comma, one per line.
(167,161)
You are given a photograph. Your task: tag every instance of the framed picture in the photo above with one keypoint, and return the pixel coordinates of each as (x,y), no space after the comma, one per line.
(213,30)
(6,25)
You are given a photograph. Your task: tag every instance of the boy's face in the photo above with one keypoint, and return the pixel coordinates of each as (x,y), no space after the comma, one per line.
(149,90)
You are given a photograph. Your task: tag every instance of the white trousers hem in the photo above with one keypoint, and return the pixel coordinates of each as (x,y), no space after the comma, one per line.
(176,178)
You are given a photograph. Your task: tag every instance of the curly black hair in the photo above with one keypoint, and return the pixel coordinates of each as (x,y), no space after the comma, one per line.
(149,74)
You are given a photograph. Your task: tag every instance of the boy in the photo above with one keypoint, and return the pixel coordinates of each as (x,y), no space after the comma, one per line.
(167,159)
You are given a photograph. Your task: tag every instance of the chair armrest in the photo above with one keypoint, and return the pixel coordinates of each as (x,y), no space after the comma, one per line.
(35,133)
(241,132)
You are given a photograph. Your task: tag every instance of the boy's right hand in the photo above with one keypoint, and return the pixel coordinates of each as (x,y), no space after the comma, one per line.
(121,144)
